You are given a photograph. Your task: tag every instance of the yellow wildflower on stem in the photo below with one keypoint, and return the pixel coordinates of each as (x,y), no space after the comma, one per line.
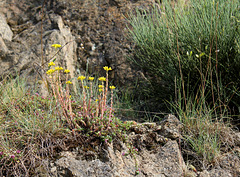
(110,112)
(112,87)
(91,92)
(106,68)
(58,68)
(50,71)
(51,64)
(101,90)
(68,82)
(91,78)
(56,45)
(81,78)
(66,71)
(100,86)
(102,79)
(106,89)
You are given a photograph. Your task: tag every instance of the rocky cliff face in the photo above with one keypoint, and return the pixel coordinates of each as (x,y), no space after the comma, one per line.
(93,34)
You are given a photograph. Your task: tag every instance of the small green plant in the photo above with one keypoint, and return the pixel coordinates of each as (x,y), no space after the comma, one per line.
(132,151)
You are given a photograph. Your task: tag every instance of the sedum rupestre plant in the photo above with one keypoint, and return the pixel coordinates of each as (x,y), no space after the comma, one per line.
(34,126)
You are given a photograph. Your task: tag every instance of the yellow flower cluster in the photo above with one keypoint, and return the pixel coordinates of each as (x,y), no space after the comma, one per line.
(106,68)
(81,78)
(67,71)
(112,87)
(51,64)
(102,79)
(56,46)
(100,86)
(50,71)
(58,68)
(68,82)
(91,78)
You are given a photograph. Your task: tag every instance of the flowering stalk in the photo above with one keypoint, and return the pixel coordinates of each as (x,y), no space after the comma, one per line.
(102,103)
(68,96)
(106,92)
(61,97)
(84,100)
(98,106)
(106,68)
(101,90)
(91,93)
(110,112)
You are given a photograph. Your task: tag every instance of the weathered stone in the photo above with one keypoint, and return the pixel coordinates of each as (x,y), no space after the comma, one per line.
(171,127)
(215,173)
(3,47)
(166,162)
(149,124)
(237,138)
(5,30)
(230,162)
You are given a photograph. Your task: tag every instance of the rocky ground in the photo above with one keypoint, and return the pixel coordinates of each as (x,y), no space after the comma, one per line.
(159,153)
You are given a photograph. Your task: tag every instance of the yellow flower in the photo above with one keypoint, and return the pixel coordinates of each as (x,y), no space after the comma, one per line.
(50,71)
(70,96)
(51,64)
(56,46)
(102,78)
(112,87)
(96,100)
(81,78)
(86,87)
(100,90)
(67,71)
(58,68)
(68,82)
(100,86)
(106,68)
(90,78)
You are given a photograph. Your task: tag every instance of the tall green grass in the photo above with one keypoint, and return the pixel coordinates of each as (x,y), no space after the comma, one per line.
(197,39)
(202,128)
(27,120)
